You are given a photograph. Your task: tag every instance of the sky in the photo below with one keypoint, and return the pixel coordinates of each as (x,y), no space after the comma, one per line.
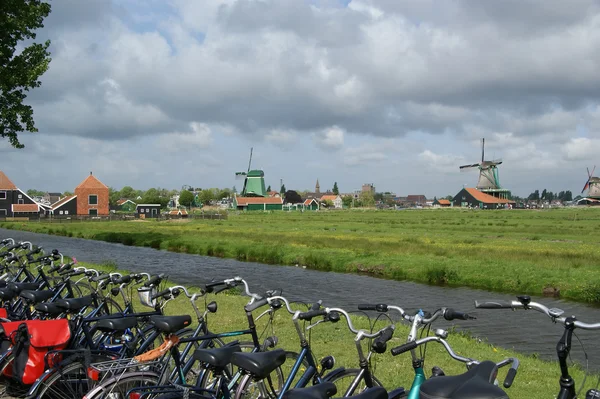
(397,93)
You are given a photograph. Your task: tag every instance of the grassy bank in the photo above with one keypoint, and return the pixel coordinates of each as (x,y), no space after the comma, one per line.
(536,378)
(535,252)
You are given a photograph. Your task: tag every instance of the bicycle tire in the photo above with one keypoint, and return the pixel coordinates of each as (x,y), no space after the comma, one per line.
(122,384)
(60,386)
(343,387)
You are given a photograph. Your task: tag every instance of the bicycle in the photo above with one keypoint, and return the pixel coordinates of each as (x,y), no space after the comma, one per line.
(563,347)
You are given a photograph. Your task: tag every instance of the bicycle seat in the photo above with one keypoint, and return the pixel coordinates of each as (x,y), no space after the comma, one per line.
(259,364)
(217,357)
(6,294)
(18,287)
(36,296)
(117,325)
(324,390)
(49,308)
(476,383)
(75,304)
(170,324)
(372,393)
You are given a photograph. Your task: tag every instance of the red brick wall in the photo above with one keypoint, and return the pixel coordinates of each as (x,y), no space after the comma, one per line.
(82,200)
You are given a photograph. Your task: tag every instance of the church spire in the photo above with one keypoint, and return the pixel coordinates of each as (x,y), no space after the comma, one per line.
(317,187)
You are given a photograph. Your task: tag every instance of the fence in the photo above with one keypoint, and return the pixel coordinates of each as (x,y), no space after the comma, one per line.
(110,218)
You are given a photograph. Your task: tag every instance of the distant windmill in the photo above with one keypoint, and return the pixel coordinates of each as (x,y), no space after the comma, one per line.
(489,181)
(592,184)
(254,181)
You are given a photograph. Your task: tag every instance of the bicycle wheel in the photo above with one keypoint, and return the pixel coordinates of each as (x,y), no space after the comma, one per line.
(118,387)
(344,380)
(68,382)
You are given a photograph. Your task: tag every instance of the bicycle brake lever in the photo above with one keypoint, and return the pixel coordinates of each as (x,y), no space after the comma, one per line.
(313,325)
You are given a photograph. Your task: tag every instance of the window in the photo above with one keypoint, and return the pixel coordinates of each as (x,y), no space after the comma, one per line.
(20,201)
(147,210)
(92,200)
(141,210)
(93,212)
(2,194)
(60,212)
(66,212)
(20,196)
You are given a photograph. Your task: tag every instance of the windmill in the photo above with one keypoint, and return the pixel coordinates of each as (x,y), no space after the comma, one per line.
(592,184)
(254,181)
(488,175)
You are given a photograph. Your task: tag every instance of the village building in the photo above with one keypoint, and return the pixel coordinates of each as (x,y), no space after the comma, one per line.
(65,207)
(92,197)
(126,205)
(16,203)
(145,211)
(310,204)
(441,203)
(258,203)
(473,198)
(335,199)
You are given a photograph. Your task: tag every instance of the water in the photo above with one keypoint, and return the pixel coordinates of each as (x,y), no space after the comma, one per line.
(524,331)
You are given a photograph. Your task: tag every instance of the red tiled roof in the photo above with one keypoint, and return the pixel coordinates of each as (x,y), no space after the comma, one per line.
(486,198)
(309,201)
(258,200)
(176,212)
(29,208)
(443,202)
(329,197)
(91,182)
(123,201)
(5,183)
(62,201)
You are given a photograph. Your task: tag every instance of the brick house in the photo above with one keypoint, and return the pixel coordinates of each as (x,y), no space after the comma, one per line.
(92,197)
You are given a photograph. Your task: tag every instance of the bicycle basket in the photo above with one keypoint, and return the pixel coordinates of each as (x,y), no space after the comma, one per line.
(145,294)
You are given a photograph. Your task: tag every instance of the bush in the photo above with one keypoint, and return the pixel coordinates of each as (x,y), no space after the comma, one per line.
(441,275)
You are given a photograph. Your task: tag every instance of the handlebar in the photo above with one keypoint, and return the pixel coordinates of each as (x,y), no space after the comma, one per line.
(447,313)
(154,280)
(176,290)
(524,302)
(327,311)
(380,343)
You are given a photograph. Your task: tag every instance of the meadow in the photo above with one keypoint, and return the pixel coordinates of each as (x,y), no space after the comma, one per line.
(553,252)
(536,379)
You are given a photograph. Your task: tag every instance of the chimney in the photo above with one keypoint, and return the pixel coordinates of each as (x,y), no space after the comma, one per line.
(90,173)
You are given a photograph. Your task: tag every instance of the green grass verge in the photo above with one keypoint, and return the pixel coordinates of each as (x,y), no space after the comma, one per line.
(534,252)
(536,379)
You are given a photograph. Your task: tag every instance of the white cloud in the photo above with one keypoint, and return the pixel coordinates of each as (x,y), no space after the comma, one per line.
(445,163)
(281,138)
(331,138)
(581,149)
(199,137)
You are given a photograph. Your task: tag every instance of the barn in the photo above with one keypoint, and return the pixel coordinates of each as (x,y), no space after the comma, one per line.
(258,203)
(471,197)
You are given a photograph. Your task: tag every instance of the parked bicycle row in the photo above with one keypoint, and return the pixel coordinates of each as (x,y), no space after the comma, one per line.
(68,331)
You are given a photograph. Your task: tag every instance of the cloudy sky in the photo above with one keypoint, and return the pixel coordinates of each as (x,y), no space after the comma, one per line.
(396,93)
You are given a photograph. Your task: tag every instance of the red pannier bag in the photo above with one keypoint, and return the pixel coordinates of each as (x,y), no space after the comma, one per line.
(32,340)
(3,313)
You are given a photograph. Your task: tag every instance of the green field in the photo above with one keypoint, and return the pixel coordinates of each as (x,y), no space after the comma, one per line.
(536,379)
(517,251)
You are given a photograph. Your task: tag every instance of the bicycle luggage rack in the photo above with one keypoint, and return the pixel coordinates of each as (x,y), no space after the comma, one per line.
(98,372)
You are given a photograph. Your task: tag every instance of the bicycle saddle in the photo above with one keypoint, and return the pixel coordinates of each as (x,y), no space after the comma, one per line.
(75,304)
(170,324)
(477,383)
(6,294)
(18,287)
(118,325)
(36,296)
(259,364)
(324,390)
(217,357)
(49,308)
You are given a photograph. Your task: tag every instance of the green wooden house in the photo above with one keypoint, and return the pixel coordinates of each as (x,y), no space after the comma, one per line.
(258,203)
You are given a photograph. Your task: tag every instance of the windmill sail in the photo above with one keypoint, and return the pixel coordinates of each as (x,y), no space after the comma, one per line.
(592,184)
(488,171)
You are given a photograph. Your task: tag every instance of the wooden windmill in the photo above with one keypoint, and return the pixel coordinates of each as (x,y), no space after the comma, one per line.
(592,185)
(489,181)
(254,181)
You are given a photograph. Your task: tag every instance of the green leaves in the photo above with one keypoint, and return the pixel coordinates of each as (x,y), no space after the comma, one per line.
(21,72)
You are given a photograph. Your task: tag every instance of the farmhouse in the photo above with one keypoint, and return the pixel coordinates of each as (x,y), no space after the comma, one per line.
(336,199)
(65,207)
(92,197)
(310,204)
(148,210)
(258,203)
(126,205)
(441,203)
(471,197)
(14,202)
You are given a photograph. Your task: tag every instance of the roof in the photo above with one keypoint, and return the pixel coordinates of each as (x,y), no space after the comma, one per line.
(309,201)
(443,202)
(91,182)
(178,212)
(5,183)
(138,205)
(486,198)
(329,197)
(273,193)
(63,201)
(29,208)
(124,201)
(258,200)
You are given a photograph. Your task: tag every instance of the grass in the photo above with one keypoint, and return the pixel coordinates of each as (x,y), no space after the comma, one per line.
(529,251)
(536,378)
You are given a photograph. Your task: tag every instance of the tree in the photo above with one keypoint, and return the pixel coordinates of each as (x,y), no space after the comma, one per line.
(292,197)
(336,190)
(568,196)
(347,201)
(186,198)
(328,203)
(367,199)
(152,196)
(206,196)
(282,191)
(534,196)
(21,72)
(35,193)
(378,197)
(269,188)
(113,196)
(128,192)
(544,194)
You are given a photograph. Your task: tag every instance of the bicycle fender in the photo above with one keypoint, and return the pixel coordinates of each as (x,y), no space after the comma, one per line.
(397,393)
(333,373)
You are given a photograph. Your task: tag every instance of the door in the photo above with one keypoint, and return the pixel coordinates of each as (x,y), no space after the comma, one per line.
(154,212)
(93,212)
